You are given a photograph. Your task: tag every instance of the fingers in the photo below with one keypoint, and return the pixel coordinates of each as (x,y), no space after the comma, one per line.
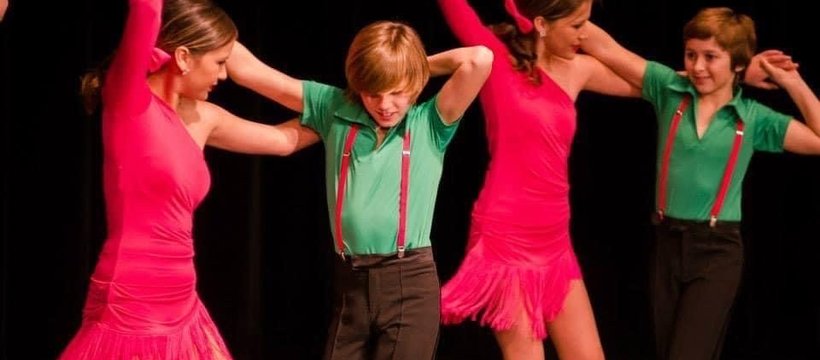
(767,85)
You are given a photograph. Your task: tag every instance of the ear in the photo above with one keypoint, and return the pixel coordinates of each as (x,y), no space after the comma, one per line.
(183,59)
(541,26)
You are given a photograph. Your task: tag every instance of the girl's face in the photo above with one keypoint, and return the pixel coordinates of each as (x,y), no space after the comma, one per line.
(709,66)
(563,36)
(387,108)
(205,71)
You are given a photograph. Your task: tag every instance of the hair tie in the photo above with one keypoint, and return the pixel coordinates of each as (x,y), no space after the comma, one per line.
(158,58)
(524,25)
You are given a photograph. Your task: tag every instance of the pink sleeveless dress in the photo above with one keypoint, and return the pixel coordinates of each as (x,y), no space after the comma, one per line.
(519,253)
(142,301)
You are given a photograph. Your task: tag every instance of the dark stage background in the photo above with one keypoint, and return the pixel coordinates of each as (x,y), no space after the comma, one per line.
(262,236)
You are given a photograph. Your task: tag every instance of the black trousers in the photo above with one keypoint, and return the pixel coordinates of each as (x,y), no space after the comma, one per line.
(385,308)
(694,277)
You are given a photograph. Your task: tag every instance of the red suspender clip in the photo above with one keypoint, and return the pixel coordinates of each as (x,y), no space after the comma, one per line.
(340,190)
(727,173)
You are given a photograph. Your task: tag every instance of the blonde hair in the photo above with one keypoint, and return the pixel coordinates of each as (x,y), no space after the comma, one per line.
(734,32)
(383,56)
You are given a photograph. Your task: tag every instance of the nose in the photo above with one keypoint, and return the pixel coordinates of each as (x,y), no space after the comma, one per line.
(223,72)
(384,102)
(699,63)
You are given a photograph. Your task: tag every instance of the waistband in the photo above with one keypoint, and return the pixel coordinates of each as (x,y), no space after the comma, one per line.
(667,221)
(411,255)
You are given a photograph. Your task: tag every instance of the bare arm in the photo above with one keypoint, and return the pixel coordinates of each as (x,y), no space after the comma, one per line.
(233,133)
(248,71)
(626,64)
(469,67)
(603,80)
(800,138)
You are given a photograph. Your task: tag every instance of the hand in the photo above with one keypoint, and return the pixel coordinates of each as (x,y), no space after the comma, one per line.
(4,4)
(779,75)
(757,76)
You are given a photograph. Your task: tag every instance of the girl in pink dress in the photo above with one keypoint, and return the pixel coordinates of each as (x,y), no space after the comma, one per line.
(520,276)
(142,301)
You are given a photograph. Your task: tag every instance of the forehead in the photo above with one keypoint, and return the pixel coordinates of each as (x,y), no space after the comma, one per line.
(397,90)
(709,44)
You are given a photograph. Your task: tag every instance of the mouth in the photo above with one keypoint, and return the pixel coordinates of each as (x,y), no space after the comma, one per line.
(386,116)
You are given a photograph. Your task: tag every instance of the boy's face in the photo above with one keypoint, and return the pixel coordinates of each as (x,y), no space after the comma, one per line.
(708,66)
(387,108)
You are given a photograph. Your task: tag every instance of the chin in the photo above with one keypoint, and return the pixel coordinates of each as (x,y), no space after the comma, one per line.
(569,56)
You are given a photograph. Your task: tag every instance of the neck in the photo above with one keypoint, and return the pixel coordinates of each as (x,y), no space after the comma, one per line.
(165,86)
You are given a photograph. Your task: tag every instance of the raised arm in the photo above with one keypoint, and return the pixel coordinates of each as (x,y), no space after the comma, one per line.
(469,67)
(127,89)
(248,71)
(800,138)
(626,64)
(466,25)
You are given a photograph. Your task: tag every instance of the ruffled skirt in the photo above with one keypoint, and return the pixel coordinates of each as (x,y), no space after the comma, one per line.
(497,279)
(145,323)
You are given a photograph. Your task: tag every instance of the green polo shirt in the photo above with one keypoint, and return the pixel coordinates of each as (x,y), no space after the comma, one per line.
(371,204)
(697,164)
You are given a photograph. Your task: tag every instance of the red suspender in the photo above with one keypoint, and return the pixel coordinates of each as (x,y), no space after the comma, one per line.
(340,190)
(667,154)
(727,173)
(405,182)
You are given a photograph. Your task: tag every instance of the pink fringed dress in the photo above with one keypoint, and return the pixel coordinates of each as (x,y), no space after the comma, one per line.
(142,301)
(519,252)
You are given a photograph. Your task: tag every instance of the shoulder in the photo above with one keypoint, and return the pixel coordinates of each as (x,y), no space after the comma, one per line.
(201,113)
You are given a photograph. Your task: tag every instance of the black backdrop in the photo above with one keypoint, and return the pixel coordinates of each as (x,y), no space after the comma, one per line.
(262,235)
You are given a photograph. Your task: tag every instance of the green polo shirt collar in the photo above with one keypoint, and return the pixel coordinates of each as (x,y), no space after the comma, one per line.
(356,114)
(735,103)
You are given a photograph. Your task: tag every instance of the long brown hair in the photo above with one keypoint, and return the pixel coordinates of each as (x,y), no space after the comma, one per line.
(522,45)
(199,25)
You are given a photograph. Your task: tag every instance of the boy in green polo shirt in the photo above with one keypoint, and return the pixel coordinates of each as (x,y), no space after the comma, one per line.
(708,132)
(384,154)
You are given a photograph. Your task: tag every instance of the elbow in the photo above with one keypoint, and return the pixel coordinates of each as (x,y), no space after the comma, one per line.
(482,56)
(482,60)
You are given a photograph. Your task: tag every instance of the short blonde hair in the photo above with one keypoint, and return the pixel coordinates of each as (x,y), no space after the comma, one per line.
(386,55)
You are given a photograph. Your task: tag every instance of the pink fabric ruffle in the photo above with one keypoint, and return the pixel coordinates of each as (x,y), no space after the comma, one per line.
(492,293)
(198,339)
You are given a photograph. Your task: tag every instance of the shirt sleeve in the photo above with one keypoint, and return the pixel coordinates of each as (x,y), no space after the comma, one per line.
(442,133)
(316,101)
(770,127)
(656,79)
(125,88)
(467,26)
